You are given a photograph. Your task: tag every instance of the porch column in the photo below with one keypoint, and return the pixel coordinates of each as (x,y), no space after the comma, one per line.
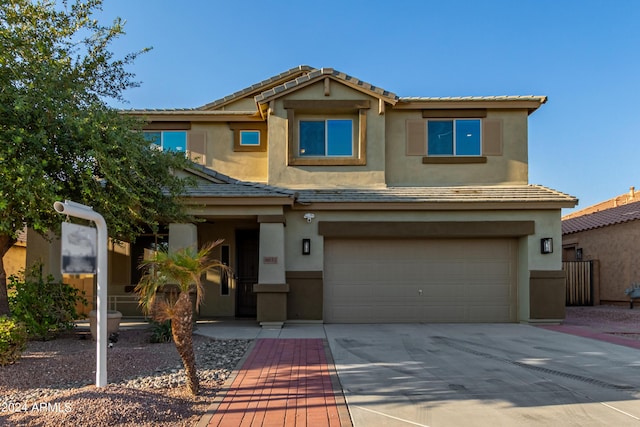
(271,289)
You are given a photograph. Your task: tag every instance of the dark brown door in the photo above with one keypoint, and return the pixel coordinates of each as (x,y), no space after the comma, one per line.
(247,245)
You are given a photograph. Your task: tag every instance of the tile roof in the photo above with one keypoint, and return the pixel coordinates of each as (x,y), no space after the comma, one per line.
(237,189)
(541,99)
(623,199)
(475,194)
(220,185)
(330,72)
(302,75)
(603,218)
(258,87)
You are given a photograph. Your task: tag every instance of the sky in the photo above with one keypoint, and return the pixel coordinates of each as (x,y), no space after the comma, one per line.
(583,55)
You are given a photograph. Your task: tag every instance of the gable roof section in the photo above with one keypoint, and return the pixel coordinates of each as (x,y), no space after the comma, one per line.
(260,87)
(604,218)
(319,74)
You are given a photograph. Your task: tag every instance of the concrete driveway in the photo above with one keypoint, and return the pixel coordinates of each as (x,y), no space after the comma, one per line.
(483,375)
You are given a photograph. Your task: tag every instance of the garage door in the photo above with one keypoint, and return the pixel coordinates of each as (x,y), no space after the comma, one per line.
(382,281)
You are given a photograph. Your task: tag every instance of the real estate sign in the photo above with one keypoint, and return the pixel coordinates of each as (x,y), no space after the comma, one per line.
(79,248)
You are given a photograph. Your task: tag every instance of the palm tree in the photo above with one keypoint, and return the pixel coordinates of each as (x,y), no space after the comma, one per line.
(180,271)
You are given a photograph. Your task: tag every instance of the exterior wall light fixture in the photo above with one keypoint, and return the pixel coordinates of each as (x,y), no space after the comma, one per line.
(546,245)
(306,246)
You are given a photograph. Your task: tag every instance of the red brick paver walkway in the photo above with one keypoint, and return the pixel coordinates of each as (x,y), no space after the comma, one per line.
(283,382)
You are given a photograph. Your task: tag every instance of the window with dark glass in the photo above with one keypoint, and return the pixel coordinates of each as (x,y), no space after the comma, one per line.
(330,137)
(459,137)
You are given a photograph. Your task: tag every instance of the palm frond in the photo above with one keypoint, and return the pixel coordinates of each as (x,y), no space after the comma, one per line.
(184,268)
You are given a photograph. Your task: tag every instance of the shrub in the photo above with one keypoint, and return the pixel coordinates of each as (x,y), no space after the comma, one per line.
(161,331)
(45,306)
(13,340)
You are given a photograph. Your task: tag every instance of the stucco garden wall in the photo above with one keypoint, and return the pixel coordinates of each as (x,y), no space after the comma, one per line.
(616,247)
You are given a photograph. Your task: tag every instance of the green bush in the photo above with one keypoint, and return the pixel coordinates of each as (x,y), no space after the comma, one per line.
(45,306)
(161,331)
(13,340)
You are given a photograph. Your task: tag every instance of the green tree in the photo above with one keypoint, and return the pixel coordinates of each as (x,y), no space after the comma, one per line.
(166,290)
(60,140)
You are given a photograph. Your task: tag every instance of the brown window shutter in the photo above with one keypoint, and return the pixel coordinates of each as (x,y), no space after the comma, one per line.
(197,146)
(492,137)
(416,138)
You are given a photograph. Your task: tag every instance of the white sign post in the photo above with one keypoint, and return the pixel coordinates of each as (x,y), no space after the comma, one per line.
(85,212)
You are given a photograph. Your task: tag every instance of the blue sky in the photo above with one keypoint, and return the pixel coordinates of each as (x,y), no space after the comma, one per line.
(584,55)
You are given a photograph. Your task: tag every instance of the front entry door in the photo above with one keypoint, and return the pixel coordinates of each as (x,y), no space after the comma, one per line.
(247,244)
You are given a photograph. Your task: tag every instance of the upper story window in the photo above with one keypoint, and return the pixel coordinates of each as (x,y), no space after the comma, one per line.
(168,140)
(454,137)
(327,132)
(470,137)
(179,138)
(326,138)
(249,136)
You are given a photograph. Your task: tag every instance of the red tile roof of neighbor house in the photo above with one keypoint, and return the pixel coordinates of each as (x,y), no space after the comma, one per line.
(601,218)
(620,200)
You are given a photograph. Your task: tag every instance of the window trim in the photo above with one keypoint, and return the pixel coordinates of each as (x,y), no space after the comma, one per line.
(328,109)
(237,129)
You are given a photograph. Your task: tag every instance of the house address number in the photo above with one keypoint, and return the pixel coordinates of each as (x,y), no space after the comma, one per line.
(270,260)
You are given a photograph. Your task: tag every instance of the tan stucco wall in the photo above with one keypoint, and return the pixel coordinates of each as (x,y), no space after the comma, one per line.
(243,104)
(15,259)
(249,166)
(616,248)
(371,174)
(510,168)
(386,159)
(40,250)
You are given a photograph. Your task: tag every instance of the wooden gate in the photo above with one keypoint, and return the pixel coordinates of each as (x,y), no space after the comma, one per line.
(579,282)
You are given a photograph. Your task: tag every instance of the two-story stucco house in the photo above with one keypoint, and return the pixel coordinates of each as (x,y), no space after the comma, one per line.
(342,202)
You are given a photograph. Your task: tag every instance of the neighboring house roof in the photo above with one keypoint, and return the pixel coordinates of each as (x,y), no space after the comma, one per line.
(623,199)
(603,218)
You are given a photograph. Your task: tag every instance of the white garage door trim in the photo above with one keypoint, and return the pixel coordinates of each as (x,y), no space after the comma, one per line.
(420,280)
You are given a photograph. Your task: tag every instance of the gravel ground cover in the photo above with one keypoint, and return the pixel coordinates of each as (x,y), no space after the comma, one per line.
(615,320)
(53,383)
